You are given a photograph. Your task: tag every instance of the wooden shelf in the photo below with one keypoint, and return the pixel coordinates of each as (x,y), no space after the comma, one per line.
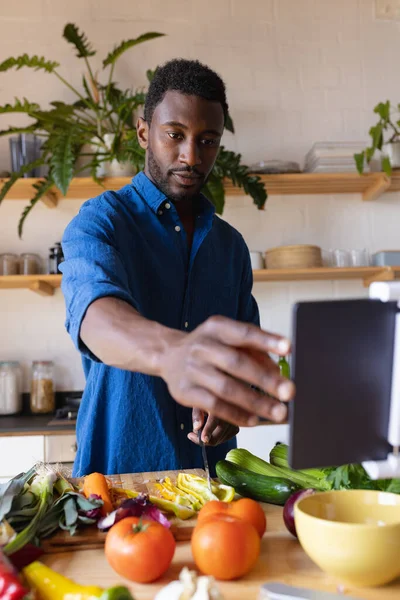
(41,284)
(370,185)
(47,284)
(367,274)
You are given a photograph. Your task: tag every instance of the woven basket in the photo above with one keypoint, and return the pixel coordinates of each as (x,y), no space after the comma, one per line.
(293,257)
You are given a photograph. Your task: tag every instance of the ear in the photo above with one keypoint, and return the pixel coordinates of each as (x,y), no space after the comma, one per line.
(142,131)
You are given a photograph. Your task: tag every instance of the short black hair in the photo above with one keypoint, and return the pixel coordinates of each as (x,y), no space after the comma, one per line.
(189,77)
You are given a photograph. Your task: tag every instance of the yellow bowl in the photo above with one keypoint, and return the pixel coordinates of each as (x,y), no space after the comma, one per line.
(352,535)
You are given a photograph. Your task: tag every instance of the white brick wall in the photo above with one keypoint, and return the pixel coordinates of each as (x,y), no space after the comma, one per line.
(297,71)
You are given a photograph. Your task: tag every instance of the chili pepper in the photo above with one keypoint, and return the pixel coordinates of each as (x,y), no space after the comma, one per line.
(11,587)
(53,586)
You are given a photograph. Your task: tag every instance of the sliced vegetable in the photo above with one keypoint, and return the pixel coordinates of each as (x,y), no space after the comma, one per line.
(11,587)
(245,459)
(139,550)
(96,484)
(274,490)
(182,512)
(171,492)
(134,507)
(52,586)
(198,487)
(288,510)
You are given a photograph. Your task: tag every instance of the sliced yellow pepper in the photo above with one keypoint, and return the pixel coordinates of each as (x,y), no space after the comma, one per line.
(198,487)
(182,512)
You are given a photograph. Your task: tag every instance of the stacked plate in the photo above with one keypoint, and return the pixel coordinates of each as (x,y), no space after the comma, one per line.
(333,157)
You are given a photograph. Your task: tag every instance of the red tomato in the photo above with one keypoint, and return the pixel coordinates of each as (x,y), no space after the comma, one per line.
(225,547)
(140,550)
(245,508)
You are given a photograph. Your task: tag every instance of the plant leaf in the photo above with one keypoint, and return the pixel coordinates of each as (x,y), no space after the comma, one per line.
(359,160)
(33,62)
(383,110)
(15,176)
(24,107)
(386,165)
(229,123)
(150,74)
(214,191)
(41,188)
(62,160)
(79,40)
(124,46)
(17,130)
(376,133)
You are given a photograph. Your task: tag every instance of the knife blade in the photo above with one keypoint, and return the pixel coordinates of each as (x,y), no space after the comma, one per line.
(205,459)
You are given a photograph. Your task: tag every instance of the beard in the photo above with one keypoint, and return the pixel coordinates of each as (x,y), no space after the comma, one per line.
(162,180)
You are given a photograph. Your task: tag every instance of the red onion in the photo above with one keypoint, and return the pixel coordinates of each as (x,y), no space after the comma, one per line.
(288,510)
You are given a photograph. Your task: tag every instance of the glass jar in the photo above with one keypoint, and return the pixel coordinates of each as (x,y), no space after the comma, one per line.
(42,387)
(29,264)
(10,388)
(9,264)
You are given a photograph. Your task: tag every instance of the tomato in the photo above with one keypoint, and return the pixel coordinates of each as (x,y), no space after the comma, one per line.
(245,508)
(225,547)
(139,549)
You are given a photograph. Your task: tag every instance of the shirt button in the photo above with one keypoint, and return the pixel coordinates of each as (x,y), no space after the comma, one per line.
(167,205)
(186,324)
(182,426)
(177,228)
(160,212)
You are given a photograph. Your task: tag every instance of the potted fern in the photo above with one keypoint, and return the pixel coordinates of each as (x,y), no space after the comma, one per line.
(385,137)
(96,132)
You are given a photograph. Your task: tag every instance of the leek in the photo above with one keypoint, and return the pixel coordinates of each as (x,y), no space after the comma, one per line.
(42,488)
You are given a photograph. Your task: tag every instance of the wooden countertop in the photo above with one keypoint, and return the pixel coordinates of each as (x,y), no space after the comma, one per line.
(282,559)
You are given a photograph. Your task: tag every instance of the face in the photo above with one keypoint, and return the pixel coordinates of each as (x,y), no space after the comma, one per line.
(181,143)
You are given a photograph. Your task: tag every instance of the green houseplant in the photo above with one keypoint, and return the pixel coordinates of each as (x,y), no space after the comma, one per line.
(76,136)
(385,133)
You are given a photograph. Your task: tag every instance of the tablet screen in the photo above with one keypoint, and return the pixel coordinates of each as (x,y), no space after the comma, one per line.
(342,366)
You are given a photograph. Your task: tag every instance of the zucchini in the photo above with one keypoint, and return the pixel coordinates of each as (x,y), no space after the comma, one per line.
(273,490)
(246,460)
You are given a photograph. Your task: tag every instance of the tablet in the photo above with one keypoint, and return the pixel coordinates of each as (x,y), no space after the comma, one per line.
(342,359)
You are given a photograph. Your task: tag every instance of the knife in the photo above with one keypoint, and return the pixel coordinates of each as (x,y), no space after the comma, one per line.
(205,459)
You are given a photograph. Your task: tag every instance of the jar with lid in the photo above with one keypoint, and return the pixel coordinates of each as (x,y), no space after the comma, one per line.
(29,264)
(10,388)
(9,264)
(42,387)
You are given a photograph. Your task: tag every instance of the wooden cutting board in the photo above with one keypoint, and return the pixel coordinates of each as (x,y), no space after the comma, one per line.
(89,538)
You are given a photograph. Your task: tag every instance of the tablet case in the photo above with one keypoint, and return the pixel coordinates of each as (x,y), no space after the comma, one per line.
(342,359)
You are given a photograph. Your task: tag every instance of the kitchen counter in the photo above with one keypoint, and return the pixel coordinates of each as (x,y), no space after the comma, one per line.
(33,425)
(282,559)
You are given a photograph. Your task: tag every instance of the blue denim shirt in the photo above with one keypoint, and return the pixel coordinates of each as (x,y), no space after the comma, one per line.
(132,245)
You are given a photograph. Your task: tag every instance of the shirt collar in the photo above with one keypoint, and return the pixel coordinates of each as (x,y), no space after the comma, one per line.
(154,197)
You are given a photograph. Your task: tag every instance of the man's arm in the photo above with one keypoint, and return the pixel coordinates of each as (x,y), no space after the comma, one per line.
(209,368)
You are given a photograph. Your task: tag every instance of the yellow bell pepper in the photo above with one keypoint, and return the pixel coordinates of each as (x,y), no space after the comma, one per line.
(50,585)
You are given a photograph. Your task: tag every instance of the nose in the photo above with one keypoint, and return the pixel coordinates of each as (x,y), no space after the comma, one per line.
(190,154)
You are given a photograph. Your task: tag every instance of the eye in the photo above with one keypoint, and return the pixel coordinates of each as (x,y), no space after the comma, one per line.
(174,135)
(210,142)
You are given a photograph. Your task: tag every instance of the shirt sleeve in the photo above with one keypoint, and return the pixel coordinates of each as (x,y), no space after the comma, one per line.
(93,267)
(248,308)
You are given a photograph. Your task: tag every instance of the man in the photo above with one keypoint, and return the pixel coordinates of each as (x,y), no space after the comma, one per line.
(158,297)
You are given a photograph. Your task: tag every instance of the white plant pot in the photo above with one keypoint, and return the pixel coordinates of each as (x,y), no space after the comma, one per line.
(114,168)
(393,152)
(111,168)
